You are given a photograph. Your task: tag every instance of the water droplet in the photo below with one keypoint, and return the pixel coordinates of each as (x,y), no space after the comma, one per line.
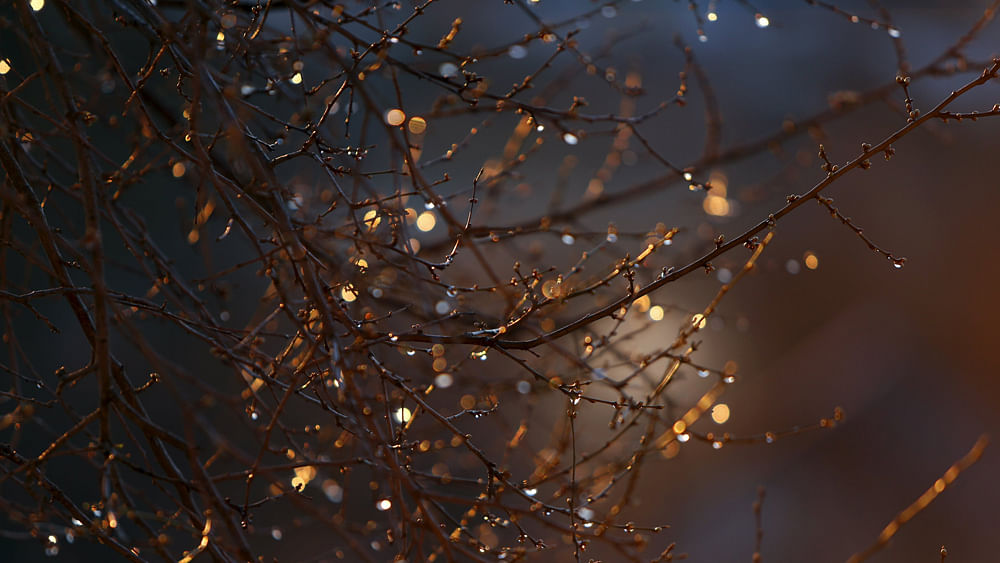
(898,263)
(769,437)
(683,437)
(729,379)
(276,533)
(688,176)
(384,504)
(523,387)
(703,373)
(762,20)
(585,513)
(254,415)
(452,292)
(568,239)
(703,38)
(716,445)
(612,238)
(570,139)
(894,33)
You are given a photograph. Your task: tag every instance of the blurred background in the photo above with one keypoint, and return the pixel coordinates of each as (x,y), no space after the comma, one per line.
(823,322)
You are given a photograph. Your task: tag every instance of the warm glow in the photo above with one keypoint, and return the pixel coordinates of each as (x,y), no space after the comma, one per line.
(699,321)
(347,293)
(303,475)
(680,427)
(4,66)
(550,289)
(811,260)
(762,21)
(297,78)
(395,117)
(642,303)
(417,125)
(372,219)
(719,183)
(712,16)
(384,504)
(426,221)
(402,415)
(720,413)
(656,313)
(716,205)
(37,4)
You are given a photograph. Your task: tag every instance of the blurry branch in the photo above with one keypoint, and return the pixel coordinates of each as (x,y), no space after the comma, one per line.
(924,500)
